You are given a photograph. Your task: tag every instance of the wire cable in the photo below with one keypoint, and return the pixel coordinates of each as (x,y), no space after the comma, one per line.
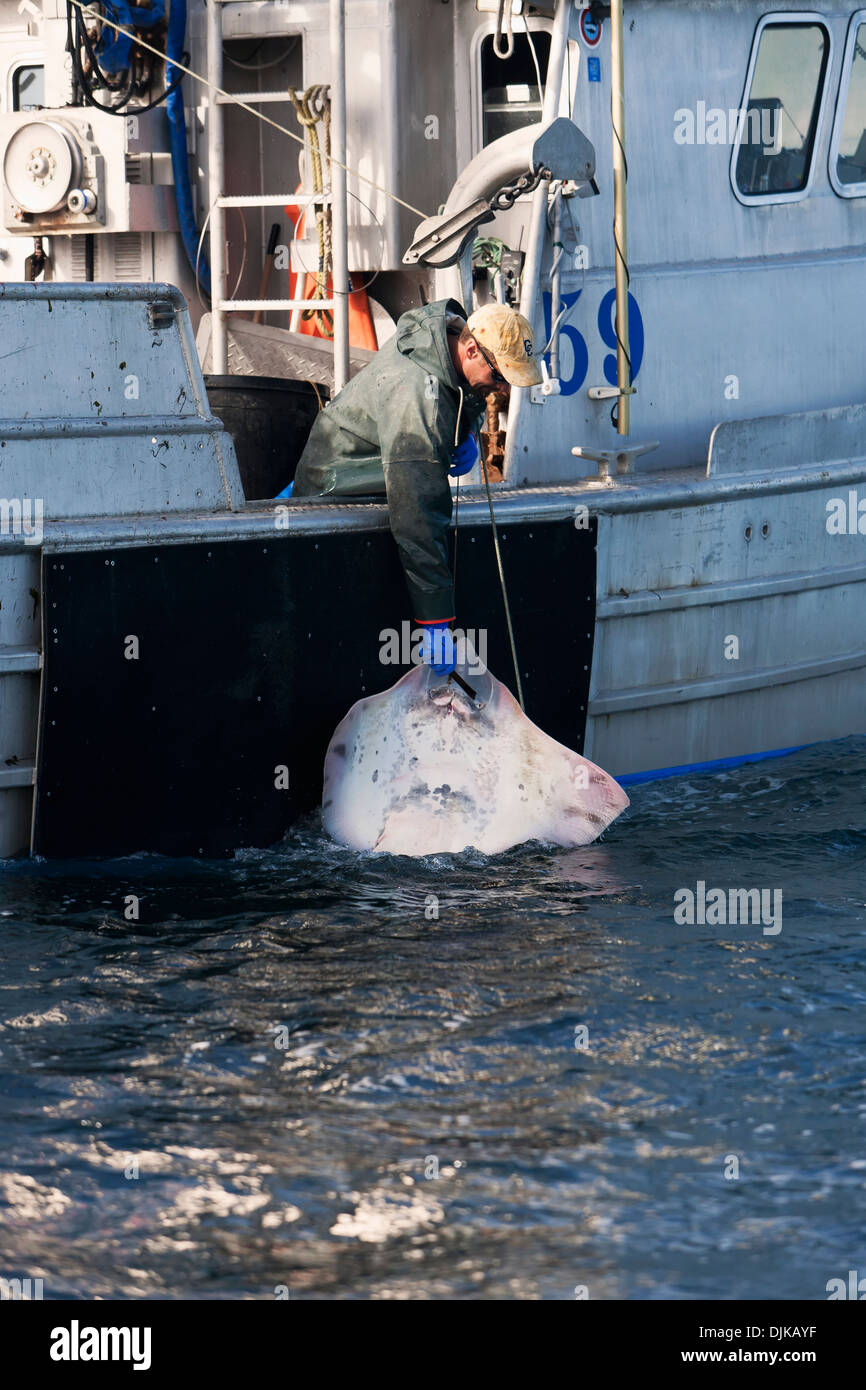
(503,586)
(243,255)
(559,252)
(378,271)
(614,410)
(456,517)
(261,67)
(79,38)
(535,61)
(198,254)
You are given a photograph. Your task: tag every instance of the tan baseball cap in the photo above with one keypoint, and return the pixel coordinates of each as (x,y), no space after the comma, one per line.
(508,337)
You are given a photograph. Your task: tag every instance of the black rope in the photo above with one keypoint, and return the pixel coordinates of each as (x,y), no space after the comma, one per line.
(614,412)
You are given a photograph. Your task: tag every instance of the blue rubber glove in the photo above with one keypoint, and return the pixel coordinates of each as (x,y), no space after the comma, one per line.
(437,649)
(464,457)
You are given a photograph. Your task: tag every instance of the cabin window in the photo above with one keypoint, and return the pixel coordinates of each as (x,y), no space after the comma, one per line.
(772,157)
(28,88)
(848,146)
(512,88)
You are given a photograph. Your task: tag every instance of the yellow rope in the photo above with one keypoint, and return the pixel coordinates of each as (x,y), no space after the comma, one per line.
(310,108)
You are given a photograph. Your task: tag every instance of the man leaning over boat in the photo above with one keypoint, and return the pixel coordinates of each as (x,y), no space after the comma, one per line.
(405,423)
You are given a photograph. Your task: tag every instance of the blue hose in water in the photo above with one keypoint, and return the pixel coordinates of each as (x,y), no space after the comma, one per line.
(177,142)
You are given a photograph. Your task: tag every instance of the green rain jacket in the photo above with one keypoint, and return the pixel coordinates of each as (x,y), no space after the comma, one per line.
(393,429)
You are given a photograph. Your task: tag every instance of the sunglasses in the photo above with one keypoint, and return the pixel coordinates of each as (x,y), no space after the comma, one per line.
(498,378)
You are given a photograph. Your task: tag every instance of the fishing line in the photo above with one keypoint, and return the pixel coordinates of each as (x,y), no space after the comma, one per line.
(456,515)
(503,585)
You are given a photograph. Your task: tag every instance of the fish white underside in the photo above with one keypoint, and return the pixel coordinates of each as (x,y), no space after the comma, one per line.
(418,769)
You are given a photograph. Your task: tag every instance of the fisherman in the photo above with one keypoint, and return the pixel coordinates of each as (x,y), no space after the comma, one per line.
(404,424)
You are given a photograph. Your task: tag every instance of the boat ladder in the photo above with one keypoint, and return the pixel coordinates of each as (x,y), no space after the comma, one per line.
(219,202)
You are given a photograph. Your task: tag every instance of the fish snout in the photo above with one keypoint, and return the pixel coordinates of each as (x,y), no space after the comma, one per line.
(455,701)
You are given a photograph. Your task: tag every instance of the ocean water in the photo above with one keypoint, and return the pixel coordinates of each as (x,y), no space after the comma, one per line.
(311,1073)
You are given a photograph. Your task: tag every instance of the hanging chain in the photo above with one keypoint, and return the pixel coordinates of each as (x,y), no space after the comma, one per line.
(506,197)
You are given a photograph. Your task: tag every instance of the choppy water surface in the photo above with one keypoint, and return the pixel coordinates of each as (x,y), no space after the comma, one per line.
(324,1086)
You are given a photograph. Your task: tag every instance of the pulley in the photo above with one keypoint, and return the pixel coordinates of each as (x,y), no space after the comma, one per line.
(41,166)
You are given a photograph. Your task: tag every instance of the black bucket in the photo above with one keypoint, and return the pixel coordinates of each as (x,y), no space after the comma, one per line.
(269,418)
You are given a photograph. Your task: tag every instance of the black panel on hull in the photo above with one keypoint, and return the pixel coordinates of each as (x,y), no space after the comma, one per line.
(250,653)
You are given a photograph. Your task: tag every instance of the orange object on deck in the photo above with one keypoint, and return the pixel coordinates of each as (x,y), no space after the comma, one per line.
(362,330)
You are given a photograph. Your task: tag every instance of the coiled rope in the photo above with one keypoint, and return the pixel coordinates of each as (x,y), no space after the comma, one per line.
(312,106)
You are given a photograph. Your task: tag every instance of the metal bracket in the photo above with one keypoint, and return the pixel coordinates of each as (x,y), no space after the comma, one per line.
(579,188)
(623,458)
(440,241)
(561,151)
(160,314)
(607,393)
(549,386)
